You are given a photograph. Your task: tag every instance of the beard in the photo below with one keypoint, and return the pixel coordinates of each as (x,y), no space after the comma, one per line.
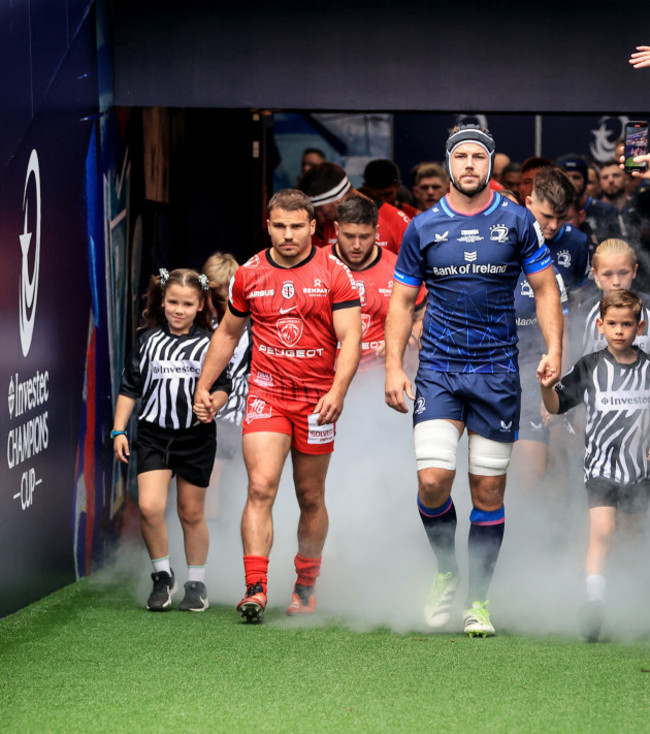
(615,193)
(473,189)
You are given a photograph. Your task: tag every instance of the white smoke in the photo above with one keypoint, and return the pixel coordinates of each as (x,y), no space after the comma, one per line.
(377,564)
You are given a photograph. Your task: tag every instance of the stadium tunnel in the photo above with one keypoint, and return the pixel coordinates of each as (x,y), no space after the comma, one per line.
(137,135)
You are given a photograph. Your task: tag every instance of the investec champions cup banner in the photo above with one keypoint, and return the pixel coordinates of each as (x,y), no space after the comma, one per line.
(44,316)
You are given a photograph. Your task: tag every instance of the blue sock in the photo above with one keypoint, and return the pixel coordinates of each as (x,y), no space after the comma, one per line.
(484,544)
(440,527)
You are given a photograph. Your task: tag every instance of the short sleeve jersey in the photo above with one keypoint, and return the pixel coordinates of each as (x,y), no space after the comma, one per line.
(470,265)
(375,284)
(163,371)
(531,340)
(294,343)
(570,252)
(391,225)
(617,399)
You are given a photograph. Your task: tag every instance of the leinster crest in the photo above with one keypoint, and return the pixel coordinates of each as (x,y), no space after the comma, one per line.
(289,330)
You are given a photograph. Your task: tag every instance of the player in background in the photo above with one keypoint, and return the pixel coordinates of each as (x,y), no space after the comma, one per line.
(530,453)
(372,268)
(161,374)
(301,301)
(614,385)
(327,185)
(430,184)
(602,220)
(549,201)
(614,266)
(469,250)
(220,268)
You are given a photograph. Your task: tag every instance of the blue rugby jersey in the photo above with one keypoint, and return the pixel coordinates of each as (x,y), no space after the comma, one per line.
(570,252)
(470,265)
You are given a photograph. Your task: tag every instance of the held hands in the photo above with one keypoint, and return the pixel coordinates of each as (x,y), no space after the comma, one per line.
(548,371)
(203,407)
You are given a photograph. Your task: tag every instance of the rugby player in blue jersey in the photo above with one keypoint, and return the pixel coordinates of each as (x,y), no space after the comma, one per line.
(469,249)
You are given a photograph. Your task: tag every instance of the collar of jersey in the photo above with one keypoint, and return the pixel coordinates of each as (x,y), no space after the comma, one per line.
(559,234)
(370,265)
(624,365)
(272,262)
(451,212)
(165,328)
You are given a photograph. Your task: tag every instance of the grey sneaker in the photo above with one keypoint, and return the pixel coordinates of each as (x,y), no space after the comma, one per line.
(438,607)
(476,621)
(196,597)
(164,586)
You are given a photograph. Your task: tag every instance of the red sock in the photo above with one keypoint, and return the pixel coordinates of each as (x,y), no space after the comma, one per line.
(308,569)
(255,568)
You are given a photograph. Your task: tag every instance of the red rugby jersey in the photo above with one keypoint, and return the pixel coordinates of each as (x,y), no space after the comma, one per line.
(375,284)
(294,344)
(391,226)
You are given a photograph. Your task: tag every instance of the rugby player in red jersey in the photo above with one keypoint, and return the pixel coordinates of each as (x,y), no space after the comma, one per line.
(327,185)
(372,269)
(301,301)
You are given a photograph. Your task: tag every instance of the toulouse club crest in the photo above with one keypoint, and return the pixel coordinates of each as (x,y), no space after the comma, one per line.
(365,323)
(288,291)
(289,330)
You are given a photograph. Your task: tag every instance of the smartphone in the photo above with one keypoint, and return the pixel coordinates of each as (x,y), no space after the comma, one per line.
(636,143)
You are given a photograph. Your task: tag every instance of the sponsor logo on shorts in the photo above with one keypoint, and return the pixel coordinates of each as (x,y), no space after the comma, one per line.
(505,425)
(289,330)
(319,434)
(420,406)
(258,408)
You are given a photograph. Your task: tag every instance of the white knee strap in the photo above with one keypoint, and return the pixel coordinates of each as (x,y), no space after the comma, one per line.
(488,458)
(436,443)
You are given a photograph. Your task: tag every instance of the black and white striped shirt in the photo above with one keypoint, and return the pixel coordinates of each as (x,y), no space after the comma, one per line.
(617,399)
(163,371)
(593,340)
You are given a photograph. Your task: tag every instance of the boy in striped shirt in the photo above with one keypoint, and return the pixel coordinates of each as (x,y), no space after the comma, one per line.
(614,384)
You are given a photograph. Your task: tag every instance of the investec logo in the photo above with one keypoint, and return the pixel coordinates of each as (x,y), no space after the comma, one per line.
(29,285)
(608,400)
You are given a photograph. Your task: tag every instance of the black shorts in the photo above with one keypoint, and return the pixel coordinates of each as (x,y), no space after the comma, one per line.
(189,452)
(632,499)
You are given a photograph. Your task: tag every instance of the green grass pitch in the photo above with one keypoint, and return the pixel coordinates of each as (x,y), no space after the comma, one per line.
(89,658)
